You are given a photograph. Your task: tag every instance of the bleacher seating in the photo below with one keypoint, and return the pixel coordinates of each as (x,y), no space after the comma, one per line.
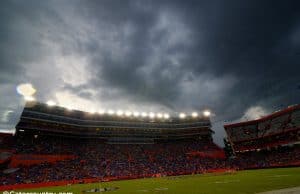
(103,161)
(279,128)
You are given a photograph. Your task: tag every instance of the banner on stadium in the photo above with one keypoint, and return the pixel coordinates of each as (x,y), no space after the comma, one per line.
(31,159)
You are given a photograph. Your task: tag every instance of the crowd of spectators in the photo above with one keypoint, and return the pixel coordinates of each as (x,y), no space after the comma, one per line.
(270,141)
(276,157)
(97,160)
(111,161)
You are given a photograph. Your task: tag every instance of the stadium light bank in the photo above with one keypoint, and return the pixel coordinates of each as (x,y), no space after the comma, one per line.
(121,113)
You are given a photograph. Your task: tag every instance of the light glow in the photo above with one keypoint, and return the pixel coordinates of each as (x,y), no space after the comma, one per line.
(159,115)
(151,115)
(69,108)
(51,103)
(136,114)
(26,89)
(128,113)
(92,111)
(182,115)
(194,114)
(206,113)
(111,112)
(29,98)
(144,114)
(166,116)
(120,112)
(101,112)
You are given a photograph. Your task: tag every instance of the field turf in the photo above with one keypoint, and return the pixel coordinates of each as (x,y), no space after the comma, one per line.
(248,181)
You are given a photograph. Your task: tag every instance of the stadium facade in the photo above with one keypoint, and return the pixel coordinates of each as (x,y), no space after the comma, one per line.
(40,119)
(277,129)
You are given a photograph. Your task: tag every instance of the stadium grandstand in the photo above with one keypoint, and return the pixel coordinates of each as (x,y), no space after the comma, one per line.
(53,144)
(271,141)
(57,146)
(113,127)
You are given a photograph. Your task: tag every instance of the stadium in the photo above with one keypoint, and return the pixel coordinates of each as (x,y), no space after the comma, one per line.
(58,149)
(149,96)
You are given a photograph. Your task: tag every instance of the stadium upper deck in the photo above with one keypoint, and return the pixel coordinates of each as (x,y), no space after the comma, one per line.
(279,128)
(38,118)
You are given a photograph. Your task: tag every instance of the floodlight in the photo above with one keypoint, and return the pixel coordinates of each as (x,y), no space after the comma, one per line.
(26,89)
(206,113)
(136,114)
(120,112)
(151,115)
(111,112)
(101,112)
(194,114)
(51,103)
(182,115)
(29,98)
(92,111)
(159,115)
(166,116)
(69,108)
(128,113)
(144,114)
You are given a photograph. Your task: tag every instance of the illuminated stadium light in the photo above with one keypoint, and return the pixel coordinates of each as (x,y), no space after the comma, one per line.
(151,115)
(166,116)
(136,114)
(182,115)
(111,112)
(159,115)
(51,103)
(194,114)
(128,113)
(120,112)
(101,112)
(92,111)
(144,114)
(69,108)
(206,113)
(26,89)
(29,98)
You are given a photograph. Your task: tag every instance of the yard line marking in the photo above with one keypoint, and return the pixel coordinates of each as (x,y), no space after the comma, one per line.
(279,175)
(292,190)
(227,181)
(143,190)
(161,189)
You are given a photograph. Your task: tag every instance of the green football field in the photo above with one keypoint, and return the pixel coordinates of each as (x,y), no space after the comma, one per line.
(249,181)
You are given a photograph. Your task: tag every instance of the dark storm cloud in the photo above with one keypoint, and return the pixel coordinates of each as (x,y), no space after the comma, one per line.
(135,72)
(227,56)
(251,41)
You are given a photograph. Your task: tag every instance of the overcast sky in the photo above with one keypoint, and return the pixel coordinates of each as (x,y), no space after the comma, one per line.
(240,59)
